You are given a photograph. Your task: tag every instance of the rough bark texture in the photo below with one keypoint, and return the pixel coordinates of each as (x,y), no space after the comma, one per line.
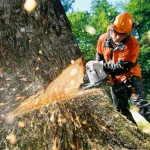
(85,122)
(34,48)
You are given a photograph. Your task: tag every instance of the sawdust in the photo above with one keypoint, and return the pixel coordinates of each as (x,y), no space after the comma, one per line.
(64,87)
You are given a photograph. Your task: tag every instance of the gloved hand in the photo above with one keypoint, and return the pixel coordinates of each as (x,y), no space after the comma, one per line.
(111,68)
(107,66)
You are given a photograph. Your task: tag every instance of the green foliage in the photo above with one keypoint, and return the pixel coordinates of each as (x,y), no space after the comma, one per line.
(102,13)
(99,19)
(140,10)
(144,59)
(144,56)
(87,42)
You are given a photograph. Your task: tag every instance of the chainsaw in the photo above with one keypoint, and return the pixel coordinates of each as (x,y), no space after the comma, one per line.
(94,74)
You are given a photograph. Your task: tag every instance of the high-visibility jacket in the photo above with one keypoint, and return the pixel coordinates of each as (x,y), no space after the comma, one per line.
(125,52)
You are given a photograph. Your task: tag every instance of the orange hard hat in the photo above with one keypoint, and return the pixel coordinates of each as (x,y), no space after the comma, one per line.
(123,23)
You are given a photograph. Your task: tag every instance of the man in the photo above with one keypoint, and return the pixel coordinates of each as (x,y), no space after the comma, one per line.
(119,51)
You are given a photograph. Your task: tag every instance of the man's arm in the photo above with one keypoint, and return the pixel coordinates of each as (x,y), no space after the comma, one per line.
(119,68)
(99,57)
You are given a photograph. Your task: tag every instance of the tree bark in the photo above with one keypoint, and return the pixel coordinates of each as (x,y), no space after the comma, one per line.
(87,122)
(34,48)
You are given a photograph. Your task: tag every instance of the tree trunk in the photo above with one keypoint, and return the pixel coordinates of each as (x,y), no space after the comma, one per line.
(34,48)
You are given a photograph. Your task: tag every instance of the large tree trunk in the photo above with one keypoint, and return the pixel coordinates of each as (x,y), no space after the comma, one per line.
(35,48)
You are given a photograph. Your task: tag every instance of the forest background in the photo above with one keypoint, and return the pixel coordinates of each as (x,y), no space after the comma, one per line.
(87,26)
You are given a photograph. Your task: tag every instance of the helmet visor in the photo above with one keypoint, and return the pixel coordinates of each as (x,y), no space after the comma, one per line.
(116,32)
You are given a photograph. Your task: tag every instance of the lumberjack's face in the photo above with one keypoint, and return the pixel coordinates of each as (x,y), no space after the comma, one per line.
(118,37)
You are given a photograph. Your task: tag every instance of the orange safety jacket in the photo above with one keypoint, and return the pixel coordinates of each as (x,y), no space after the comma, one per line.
(127,52)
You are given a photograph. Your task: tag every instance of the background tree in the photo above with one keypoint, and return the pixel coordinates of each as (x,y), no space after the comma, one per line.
(80,22)
(102,14)
(97,20)
(140,11)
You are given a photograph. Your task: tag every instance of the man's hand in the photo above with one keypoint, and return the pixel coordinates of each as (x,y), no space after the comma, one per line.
(118,68)
(108,67)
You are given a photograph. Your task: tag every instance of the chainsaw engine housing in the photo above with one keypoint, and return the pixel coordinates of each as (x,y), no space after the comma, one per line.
(95,72)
